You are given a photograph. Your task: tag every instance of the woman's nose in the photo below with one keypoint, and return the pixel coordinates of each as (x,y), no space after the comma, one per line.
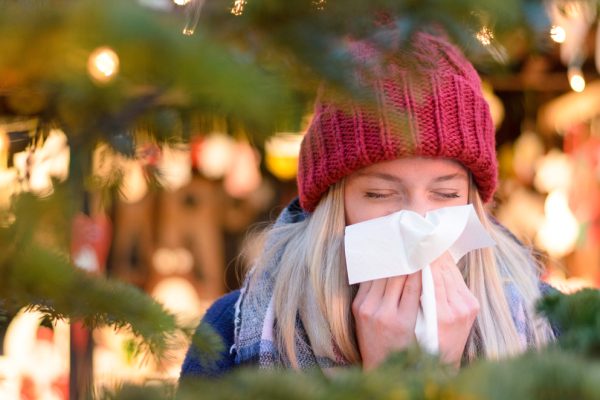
(420,205)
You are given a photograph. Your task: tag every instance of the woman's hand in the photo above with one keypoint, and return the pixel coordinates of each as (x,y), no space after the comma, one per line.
(385,312)
(457,309)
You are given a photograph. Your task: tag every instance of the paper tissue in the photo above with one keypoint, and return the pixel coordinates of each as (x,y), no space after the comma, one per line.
(405,242)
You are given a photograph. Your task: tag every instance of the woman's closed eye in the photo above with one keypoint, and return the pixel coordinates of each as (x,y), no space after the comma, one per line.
(378,195)
(447,195)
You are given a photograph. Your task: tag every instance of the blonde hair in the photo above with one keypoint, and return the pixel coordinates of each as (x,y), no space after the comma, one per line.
(311,282)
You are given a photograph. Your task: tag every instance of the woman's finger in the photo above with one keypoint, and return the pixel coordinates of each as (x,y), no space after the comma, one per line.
(467,297)
(408,307)
(361,294)
(454,290)
(393,290)
(441,298)
(375,294)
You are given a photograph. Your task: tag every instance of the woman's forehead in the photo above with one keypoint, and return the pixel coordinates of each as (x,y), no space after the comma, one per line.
(417,166)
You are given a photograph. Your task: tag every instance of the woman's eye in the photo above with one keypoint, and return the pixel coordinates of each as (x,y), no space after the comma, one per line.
(443,195)
(375,195)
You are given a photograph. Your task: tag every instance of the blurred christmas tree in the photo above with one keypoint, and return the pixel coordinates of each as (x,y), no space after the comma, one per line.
(122,72)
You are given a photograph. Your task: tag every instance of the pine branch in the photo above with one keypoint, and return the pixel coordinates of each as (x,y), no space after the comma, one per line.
(578,318)
(37,273)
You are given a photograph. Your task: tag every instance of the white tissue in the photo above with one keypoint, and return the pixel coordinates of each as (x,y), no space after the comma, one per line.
(405,242)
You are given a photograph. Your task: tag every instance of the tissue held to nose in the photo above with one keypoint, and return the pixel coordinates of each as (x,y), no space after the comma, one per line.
(411,286)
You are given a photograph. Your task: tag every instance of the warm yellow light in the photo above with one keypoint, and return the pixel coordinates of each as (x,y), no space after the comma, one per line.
(134,186)
(168,261)
(558,34)
(243,176)
(103,64)
(553,172)
(8,181)
(187,31)
(319,4)
(216,155)
(181,2)
(576,80)
(175,167)
(558,233)
(4,144)
(485,36)
(238,7)
(282,155)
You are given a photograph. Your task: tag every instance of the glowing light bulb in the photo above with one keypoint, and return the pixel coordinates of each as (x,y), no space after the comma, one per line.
(485,36)
(238,7)
(103,64)
(558,34)
(181,2)
(576,79)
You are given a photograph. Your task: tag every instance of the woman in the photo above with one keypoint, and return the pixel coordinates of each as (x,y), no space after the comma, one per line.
(421,139)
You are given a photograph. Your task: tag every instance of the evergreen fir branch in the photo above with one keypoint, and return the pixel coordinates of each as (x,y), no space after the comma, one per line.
(38,274)
(261,67)
(577,316)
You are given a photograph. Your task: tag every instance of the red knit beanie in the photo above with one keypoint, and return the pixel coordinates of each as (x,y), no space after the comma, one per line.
(425,101)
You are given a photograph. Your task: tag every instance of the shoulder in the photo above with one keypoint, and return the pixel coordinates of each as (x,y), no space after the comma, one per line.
(223,307)
(220,317)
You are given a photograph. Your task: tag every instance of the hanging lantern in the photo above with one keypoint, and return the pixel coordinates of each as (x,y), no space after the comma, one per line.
(175,167)
(244,175)
(558,233)
(554,172)
(38,357)
(217,153)
(133,186)
(282,152)
(173,261)
(40,181)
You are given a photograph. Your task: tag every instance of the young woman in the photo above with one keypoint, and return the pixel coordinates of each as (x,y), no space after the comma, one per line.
(422,139)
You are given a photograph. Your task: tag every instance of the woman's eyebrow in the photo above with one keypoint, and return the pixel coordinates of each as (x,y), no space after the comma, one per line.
(444,178)
(380,175)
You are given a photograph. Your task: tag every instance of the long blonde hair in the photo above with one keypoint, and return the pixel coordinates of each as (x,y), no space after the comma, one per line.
(311,282)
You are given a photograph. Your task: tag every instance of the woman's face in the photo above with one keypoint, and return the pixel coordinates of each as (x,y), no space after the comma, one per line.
(411,183)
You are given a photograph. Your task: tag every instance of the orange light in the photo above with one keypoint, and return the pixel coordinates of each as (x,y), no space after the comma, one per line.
(103,64)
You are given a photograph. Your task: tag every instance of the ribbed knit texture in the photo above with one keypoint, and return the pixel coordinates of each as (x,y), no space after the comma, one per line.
(425,101)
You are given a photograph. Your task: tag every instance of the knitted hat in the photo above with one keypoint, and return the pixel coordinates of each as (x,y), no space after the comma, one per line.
(425,101)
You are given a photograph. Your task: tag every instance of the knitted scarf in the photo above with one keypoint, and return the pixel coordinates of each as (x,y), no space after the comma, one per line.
(254,341)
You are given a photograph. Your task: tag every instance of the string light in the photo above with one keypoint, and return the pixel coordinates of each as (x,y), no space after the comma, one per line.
(319,4)
(103,64)
(238,7)
(485,36)
(558,34)
(192,11)
(576,79)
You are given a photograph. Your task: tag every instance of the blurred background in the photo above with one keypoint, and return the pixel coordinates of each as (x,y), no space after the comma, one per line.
(172,157)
